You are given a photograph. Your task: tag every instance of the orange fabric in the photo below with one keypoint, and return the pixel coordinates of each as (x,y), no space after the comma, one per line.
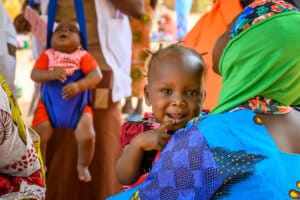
(41,114)
(87,62)
(203,36)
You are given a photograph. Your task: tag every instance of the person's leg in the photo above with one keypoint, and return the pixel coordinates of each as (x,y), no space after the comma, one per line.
(85,138)
(139,106)
(127,107)
(45,131)
(107,124)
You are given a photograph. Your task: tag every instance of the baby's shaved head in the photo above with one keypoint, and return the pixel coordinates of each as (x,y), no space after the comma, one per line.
(177,50)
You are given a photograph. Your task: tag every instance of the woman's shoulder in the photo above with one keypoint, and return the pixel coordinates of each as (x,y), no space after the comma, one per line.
(225,119)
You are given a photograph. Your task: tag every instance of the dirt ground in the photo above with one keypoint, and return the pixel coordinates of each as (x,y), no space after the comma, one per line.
(25,63)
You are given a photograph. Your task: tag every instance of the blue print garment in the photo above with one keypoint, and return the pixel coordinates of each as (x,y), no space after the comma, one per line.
(233,157)
(186,170)
(251,165)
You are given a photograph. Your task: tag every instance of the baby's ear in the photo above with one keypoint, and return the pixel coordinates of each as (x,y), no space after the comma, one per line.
(146,95)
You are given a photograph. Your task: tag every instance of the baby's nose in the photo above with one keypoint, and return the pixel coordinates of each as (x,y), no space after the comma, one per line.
(178,100)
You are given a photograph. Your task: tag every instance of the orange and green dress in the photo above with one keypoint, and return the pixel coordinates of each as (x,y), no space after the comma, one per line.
(141,29)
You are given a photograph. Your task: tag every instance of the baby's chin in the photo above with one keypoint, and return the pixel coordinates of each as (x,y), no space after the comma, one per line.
(176,127)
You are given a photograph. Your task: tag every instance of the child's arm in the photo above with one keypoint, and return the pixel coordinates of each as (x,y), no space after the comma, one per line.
(128,167)
(89,81)
(41,76)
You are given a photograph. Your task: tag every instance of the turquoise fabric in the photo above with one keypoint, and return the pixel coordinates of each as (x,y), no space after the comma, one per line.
(249,162)
(124,195)
(274,176)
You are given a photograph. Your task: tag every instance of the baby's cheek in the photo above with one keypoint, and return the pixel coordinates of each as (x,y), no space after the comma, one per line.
(197,111)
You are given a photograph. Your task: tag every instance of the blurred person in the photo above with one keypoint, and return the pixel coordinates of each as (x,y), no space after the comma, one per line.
(67,74)
(8,43)
(141,29)
(21,166)
(166,26)
(23,26)
(183,9)
(204,34)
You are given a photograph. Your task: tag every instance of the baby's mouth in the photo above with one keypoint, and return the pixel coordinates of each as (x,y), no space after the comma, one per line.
(178,118)
(62,36)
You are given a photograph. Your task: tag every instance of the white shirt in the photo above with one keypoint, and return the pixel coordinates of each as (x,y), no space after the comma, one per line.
(116,39)
(7,35)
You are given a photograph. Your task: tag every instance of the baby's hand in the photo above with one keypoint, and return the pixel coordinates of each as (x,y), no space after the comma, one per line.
(155,139)
(58,73)
(70,90)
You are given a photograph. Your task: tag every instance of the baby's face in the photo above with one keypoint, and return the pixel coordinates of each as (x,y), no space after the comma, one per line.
(175,89)
(66,37)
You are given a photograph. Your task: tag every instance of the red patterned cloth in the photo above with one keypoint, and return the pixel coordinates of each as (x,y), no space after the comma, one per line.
(13,183)
(132,128)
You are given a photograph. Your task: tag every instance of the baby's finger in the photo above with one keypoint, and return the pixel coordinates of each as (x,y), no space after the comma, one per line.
(62,78)
(166,125)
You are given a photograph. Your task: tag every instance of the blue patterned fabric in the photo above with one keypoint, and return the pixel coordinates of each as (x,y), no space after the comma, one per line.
(185,170)
(64,113)
(232,158)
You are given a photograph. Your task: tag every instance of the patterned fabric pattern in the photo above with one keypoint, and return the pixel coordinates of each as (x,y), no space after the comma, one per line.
(260,104)
(131,129)
(196,176)
(254,13)
(70,62)
(234,167)
(141,29)
(257,11)
(5,126)
(21,170)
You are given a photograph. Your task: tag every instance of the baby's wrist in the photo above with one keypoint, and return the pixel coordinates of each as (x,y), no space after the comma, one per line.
(137,143)
(79,86)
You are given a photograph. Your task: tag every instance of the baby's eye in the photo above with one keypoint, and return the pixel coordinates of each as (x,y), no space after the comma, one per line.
(57,30)
(192,93)
(166,91)
(74,30)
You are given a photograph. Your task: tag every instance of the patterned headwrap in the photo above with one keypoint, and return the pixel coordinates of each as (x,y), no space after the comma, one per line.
(262,57)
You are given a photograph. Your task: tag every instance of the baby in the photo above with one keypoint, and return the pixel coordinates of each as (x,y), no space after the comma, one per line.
(175,92)
(67,74)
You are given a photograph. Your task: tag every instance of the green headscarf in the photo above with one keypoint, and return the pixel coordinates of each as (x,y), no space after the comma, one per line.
(263,60)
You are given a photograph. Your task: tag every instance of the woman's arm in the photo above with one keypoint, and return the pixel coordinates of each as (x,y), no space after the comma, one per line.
(132,8)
